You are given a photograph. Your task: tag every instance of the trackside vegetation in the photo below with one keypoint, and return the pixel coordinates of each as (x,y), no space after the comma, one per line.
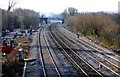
(104,28)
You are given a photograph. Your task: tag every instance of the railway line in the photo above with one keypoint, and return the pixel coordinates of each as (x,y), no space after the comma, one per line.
(48,63)
(95,52)
(64,65)
(76,66)
(105,52)
(102,54)
(106,63)
(79,61)
(61,53)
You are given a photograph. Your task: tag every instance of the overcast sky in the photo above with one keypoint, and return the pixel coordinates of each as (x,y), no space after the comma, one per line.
(57,6)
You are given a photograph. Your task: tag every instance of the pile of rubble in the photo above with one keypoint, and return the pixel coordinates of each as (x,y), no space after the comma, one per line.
(11,64)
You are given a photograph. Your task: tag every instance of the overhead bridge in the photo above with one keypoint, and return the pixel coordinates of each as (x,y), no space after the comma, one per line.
(46,19)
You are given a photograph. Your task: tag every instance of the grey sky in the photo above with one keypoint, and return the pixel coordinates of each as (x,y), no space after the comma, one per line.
(57,6)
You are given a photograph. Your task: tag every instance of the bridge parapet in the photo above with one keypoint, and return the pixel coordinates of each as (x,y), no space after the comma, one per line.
(48,19)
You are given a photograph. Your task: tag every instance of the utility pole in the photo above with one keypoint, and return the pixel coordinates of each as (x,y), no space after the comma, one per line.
(21,20)
(0,26)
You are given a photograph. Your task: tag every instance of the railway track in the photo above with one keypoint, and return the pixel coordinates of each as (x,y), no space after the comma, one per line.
(83,59)
(102,62)
(75,59)
(110,60)
(64,65)
(40,53)
(49,66)
(107,64)
(105,52)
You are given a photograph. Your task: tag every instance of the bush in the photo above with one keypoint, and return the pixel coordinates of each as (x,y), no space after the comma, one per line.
(100,25)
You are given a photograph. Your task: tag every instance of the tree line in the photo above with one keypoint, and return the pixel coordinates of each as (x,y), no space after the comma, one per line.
(102,27)
(19,18)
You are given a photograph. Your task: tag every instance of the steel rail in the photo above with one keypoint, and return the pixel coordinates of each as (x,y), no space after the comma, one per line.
(49,50)
(41,55)
(68,56)
(95,59)
(94,53)
(95,46)
(84,60)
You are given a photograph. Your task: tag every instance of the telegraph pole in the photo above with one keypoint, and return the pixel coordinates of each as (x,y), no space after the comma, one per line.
(21,20)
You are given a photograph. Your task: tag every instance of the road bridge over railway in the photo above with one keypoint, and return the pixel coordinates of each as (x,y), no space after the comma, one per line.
(46,19)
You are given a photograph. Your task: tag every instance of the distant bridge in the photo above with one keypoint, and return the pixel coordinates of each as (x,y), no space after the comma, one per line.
(46,19)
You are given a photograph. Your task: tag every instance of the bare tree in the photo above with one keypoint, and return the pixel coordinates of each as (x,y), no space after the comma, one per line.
(64,14)
(10,17)
(72,11)
(11,4)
